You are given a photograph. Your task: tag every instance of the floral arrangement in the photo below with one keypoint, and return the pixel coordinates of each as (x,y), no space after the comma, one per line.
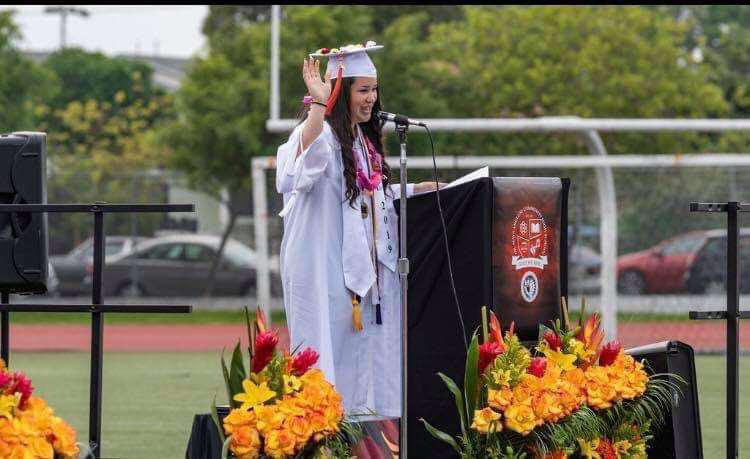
(28,426)
(346,49)
(568,396)
(283,407)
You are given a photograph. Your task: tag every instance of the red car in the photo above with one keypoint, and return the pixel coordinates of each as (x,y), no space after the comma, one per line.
(689,262)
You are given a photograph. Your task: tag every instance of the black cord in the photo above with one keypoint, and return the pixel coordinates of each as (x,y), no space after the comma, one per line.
(445,240)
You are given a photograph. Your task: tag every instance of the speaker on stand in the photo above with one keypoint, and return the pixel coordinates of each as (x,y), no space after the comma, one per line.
(681,436)
(23,235)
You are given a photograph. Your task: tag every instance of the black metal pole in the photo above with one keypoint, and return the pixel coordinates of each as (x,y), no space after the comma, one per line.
(733,344)
(5,330)
(403,272)
(97,347)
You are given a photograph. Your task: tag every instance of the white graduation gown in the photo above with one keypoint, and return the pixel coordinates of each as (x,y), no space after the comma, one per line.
(325,254)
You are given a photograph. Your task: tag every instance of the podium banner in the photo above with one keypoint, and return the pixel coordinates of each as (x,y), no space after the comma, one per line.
(529,215)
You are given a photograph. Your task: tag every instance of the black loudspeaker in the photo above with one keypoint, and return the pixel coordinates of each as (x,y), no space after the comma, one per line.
(23,235)
(681,436)
(507,239)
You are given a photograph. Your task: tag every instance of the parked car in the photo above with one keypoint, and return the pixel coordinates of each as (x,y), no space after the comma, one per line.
(179,265)
(584,268)
(71,268)
(692,262)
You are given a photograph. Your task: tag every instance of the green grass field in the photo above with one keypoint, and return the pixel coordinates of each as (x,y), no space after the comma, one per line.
(150,398)
(203,316)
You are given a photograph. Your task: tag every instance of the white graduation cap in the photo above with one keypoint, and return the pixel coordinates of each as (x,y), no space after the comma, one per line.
(353,58)
(347,61)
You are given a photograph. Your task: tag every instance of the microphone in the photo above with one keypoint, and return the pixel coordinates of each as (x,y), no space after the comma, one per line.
(398,119)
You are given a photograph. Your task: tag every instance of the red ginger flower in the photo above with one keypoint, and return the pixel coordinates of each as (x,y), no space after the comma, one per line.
(265,345)
(303,361)
(553,340)
(23,385)
(538,366)
(5,380)
(609,353)
(487,354)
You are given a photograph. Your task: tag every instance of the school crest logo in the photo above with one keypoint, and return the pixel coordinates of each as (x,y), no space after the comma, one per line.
(530,248)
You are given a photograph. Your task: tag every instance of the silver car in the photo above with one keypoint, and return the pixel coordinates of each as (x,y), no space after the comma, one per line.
(72,268)
(179,265)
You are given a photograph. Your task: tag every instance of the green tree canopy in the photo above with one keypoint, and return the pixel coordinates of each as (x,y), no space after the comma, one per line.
(22,82)
(549,61)
(100,122)
(84,75)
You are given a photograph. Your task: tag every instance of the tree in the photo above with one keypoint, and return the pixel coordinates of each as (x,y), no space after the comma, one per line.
(223,101)
(22,82)
(448,62)
(84,75)
(552,61)
(101,145)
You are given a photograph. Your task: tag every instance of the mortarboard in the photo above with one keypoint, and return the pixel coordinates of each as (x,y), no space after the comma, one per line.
(347,61)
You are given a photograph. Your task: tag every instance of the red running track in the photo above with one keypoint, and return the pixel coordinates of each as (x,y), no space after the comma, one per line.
(703,336)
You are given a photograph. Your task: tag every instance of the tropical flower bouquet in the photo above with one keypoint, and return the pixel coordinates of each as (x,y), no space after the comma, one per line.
(567,397)
(28,426)
(282,407)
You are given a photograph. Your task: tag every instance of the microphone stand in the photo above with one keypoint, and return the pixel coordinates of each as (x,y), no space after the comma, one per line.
(403,272)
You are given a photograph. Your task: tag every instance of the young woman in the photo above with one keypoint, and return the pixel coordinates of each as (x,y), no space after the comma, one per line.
(340,244)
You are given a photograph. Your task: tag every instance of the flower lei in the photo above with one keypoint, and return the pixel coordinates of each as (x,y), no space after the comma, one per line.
(346,49)
(371,183)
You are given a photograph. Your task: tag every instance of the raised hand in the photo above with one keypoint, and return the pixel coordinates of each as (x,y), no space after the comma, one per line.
(318,88)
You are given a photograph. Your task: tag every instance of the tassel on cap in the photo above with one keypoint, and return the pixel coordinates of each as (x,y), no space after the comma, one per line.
(335,93)
(356,314)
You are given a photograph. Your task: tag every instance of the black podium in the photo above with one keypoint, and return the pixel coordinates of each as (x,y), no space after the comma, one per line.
(507,239)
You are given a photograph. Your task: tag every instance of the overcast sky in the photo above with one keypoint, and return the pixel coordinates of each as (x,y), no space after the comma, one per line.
(166,30)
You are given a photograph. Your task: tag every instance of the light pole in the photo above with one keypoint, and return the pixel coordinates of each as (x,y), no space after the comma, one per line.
(63,11)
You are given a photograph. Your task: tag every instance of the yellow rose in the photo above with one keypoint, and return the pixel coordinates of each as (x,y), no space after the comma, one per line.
(546,408)
(40,447)
(268,418)
(279,443)
(318,422)
(486,421)
(301,428)
(499,399)
(245,442)
(238,418)
(65,438)
(520,418)
(600,396)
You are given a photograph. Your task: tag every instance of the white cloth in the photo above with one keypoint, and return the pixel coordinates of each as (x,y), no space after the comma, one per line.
(324,254)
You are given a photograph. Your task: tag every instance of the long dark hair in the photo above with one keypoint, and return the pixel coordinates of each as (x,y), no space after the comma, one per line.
(341,123)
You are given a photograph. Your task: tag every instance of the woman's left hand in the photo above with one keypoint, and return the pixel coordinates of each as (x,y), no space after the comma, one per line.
(427,186)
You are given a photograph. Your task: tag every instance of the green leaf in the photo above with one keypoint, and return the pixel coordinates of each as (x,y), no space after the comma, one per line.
(484,324)
(225,448)
(215,417)
(458,397)
(440,435)
(237,371)
(250,337)
(225,372)
(471,376)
